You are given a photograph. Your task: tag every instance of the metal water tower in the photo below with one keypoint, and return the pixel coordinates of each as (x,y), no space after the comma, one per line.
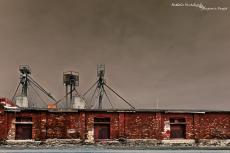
(71,81)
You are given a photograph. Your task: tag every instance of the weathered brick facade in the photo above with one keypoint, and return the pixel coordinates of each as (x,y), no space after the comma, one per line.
(3,124)
(138,124)
(141,125)
(214,125)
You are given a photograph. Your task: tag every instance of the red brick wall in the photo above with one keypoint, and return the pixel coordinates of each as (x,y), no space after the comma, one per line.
(10,117)
(82,125)
(188,119)
(141,125)
(35,119)
(114,122)
(3,125)
(56,126)
(138,125)
(63,125)
(214,125)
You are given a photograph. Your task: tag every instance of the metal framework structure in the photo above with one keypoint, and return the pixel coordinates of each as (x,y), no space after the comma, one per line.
(26,80)
(71,81)
(100,88)
(100,83)
(25,72)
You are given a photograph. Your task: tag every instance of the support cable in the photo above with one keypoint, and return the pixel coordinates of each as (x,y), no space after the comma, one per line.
(58,101)
(93,95)
(39,95)
(90,88)
(78,94)
(119,96)
(16,91)
(40,88)
(30,98)
(37,85)
(108,98)
(93,104)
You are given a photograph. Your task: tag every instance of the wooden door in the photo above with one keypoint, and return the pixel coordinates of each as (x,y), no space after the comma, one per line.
(102,131)
(177,131)
(23,131)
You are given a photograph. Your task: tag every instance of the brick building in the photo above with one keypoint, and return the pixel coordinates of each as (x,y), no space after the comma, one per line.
(42,124)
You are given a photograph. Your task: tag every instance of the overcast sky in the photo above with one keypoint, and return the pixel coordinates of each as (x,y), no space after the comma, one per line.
(153,52)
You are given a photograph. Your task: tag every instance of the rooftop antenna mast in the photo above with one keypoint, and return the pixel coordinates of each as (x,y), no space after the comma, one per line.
(25,72)
(100,87)
(100,83)
(71,81)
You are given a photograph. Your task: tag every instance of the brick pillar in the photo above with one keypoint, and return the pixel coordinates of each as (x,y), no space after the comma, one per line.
(196,128)
(36,130)
(121,125)
(158,130)
(82,123)
(11,133)
(43,124)
(3,125)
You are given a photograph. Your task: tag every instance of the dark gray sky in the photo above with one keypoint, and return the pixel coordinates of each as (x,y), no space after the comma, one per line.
(178,55)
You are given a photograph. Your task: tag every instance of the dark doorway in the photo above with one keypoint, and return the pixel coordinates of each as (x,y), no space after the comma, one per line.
(177,128)
(23,131)
(102,131)
(177,131)
(102,128)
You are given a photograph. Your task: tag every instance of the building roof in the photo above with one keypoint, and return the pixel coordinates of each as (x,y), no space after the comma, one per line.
(117,110)
(6,102)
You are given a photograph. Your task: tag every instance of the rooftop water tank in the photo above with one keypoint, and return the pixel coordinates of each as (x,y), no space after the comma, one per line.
(22,101)
(78,103)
